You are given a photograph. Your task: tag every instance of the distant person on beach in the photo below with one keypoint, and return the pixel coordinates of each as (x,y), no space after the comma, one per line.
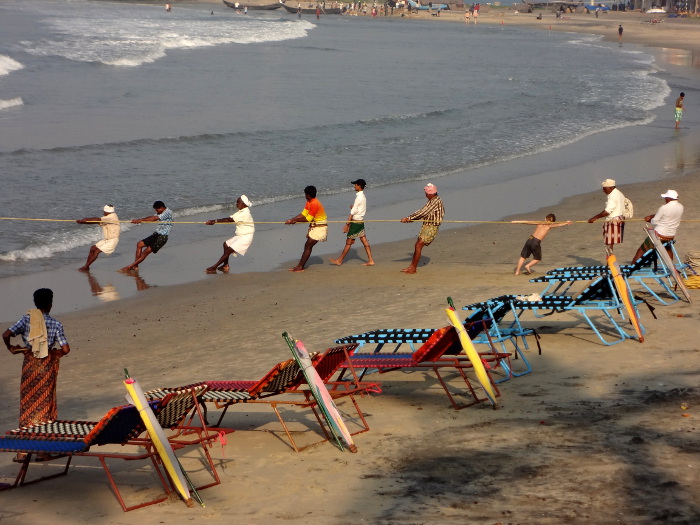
(154,242)
(315,215)
(40,332)
(239,243)
(614,227)
(432,214)
(109,222)
(533,244)
(356,229)
(679,110)
(619,33)
(168,8)
(665,221)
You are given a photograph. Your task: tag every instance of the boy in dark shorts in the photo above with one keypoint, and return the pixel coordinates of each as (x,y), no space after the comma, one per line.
(156,240)
(532,245)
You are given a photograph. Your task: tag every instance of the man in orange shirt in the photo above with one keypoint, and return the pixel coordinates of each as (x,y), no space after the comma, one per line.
(315,215)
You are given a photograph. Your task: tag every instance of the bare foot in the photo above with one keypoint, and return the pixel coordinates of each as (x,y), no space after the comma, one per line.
(296,269)
(84,269)
(126,269)
(516,273)
(410,269)
(210,270)
(368,263)
(337,262)
(224,268)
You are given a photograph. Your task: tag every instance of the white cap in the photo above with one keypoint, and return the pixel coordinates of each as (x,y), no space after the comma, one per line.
(108,208)
(609,183)
(246,201)
(670,194)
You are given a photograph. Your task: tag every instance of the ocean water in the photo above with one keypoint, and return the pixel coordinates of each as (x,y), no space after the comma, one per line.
(125,104)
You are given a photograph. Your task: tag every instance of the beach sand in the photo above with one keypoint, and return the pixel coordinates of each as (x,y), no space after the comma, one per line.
(595,434)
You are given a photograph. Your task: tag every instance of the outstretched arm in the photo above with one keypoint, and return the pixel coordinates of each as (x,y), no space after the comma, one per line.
(89,220)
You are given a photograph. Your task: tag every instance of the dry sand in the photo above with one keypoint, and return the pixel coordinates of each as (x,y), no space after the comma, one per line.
(594,435)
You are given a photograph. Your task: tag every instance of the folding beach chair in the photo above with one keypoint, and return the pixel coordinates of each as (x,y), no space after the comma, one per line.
(647,271)
(433,356)
(599,296)
(499,331)
(66,439)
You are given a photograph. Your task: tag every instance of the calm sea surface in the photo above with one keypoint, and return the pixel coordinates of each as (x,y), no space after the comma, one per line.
(121,103)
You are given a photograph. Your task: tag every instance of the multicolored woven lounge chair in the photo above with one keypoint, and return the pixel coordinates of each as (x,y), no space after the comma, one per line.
(436,354)
(66,439)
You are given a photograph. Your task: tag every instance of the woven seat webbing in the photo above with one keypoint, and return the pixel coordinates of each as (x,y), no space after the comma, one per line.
(50,446)
(212,396)
(78,429)
(390,335)
(176,407)
(380,361)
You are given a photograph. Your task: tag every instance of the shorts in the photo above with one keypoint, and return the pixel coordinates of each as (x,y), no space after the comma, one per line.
(155,241)
(356,229)
(107,245)
(428,233)
(614,231)
(679,114)
(648,244)
(318,233)
(532,247)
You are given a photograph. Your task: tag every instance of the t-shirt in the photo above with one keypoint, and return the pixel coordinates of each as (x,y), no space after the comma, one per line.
(359,207)
(668,218)
(166,222)
(615,205)
(314,212)
(110,226)
(244,216)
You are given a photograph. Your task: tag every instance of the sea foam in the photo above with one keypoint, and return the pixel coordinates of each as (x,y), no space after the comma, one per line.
(7,65)
(17,101)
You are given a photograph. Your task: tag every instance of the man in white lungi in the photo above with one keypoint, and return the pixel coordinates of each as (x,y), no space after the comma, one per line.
(239,243)
(109,222)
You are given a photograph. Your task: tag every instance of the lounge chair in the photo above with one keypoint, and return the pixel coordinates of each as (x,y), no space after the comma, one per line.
(66,439)
(431,355)
(282,384)
(599,296)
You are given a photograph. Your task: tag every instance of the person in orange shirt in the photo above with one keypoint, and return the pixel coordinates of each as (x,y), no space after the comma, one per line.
(315,215)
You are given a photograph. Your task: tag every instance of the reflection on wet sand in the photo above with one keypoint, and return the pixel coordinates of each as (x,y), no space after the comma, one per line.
(105,293)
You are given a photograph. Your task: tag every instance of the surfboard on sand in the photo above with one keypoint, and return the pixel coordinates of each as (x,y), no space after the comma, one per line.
(624,292)
(321,395)
(659,247)
(473,356)
(165,451)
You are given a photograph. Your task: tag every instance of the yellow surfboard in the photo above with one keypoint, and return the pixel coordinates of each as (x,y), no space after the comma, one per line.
(473,356)
(165,451)
(624,293)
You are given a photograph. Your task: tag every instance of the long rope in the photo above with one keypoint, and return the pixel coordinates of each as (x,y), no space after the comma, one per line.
(327,222)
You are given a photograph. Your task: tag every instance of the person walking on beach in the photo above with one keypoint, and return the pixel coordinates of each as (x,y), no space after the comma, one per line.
(665,221)
(614,227)
(109,222)
(533,244)
(154,242)
(315,215)
(679,110)
(39,332)
(357,228)
(619,33)
(432,214)
(239,243)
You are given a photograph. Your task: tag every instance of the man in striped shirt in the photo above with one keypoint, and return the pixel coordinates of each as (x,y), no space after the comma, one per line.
(432,214)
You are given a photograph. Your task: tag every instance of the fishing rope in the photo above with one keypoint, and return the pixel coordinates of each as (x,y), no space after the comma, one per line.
(533,223)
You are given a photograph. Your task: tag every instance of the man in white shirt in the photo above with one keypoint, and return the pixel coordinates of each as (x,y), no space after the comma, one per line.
(239,243)
(109,222)
(665,222)
(614,213)
(355,227)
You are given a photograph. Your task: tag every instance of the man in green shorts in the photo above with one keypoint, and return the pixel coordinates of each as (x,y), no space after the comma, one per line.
(355,227)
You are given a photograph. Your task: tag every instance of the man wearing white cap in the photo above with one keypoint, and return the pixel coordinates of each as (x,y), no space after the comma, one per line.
(614,213)
(432,214)
(109,222)
(665,222)
(239,243)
